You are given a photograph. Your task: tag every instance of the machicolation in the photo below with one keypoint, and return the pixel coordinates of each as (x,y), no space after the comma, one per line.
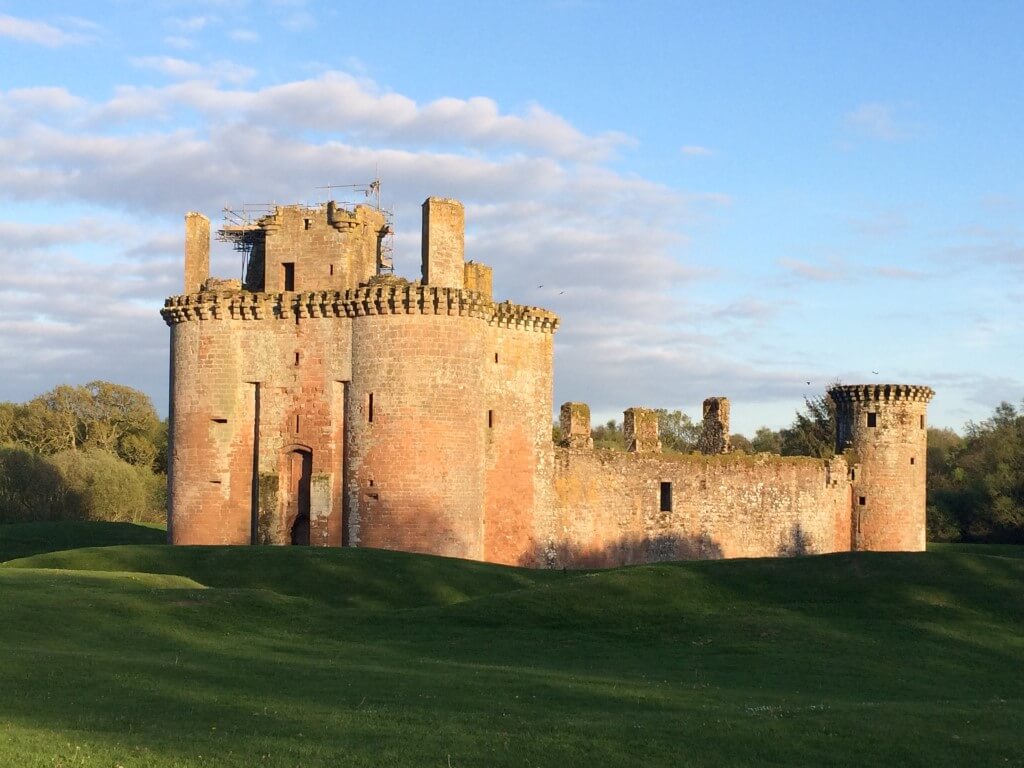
(322,400)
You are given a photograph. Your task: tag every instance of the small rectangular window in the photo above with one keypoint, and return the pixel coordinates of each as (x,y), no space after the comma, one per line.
(219,421)
(296,423)
(922,421)
(369,407)
(289,275)
(331,269)
(307,223)
(666,497)
(911,459)
(490,419)
(495,357)
(872,419)
(862,500)
(296,358)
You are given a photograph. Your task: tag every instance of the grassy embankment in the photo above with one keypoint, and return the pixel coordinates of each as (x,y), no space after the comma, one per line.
(152,656)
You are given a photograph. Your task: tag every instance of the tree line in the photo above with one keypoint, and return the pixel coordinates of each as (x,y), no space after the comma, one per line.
(92,452)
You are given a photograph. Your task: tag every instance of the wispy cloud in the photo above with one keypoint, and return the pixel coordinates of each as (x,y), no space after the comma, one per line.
(694,150)
(882,122)
(37,32)
(244,35)
(180,69)
(189,24)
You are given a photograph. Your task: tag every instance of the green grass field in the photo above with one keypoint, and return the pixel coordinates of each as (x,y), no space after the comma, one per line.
(128,653)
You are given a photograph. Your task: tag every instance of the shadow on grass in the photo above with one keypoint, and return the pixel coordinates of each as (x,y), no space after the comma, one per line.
(19,540)
(614,667)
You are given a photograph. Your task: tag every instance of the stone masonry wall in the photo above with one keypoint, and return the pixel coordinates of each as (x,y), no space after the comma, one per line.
(517,385)
(329,248)
(221,366)
(611,508)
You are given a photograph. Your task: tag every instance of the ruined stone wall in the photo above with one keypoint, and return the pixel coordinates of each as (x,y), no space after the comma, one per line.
(885,426)
(329,248)
(611,510)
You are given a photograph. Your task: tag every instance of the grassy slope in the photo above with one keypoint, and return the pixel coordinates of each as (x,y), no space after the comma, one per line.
(25,539)
(839,660)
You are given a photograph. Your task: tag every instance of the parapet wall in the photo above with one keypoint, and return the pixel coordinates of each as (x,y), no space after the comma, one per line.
(397,297)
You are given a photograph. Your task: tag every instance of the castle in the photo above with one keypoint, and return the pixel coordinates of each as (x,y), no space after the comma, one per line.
(323,401)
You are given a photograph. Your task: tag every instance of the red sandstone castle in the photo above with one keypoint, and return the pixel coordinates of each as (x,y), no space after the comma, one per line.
(323,401)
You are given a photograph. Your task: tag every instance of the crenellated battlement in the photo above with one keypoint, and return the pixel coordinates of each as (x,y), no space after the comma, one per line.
(881,392)
(396,297)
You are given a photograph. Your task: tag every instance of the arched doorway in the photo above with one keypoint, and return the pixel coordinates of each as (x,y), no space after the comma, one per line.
(296,515)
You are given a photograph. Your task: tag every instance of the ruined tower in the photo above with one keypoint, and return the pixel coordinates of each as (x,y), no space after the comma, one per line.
(885,426)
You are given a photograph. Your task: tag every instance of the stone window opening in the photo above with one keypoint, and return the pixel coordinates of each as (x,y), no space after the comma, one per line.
(219,420)
(666,497)
(872,419)
(922,421)
(912,460)
(289,275)
(296,358)
(331,270)
(216,482)
(296,423)
(862,500)
(307,223)
(495,357)
(369,408)
(490,419)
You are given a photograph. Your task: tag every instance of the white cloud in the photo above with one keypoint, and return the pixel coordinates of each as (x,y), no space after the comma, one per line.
(180,69)
(38,32)
(878,121)
(694,150)
(189,24)
(244,35)
(541,208)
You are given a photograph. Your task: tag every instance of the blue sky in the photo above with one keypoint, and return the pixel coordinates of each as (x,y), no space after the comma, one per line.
(736,199)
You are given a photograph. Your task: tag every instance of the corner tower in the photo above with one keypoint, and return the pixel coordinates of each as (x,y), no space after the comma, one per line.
(886,426)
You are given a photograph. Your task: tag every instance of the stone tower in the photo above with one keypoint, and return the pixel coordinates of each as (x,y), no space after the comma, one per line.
(886,427)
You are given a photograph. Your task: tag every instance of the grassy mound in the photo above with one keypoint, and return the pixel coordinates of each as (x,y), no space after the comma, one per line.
(283,657)
(25,539)
(342,578)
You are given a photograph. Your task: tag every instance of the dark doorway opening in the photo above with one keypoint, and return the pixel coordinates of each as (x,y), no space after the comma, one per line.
(300,470)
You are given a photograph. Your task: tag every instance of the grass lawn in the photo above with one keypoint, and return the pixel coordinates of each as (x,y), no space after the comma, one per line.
(133,655)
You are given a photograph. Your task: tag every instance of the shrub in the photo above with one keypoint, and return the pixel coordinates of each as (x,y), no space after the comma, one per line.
(108,488)
(33,489)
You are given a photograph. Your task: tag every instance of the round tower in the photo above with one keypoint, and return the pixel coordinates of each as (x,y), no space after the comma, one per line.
(885,425)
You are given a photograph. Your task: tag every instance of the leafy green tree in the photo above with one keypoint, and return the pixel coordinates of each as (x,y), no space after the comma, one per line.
(813,432)
(740,444)
(677,431)
(609,436)
(766,440)
(103,415)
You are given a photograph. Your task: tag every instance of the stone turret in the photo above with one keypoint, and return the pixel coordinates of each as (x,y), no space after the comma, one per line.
(885,425)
